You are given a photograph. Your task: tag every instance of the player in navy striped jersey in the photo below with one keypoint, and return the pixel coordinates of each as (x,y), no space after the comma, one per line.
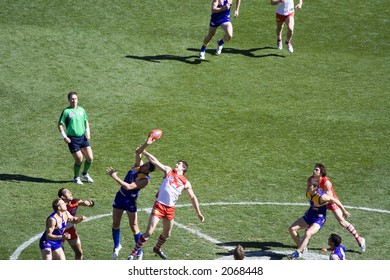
(51,240)
(220,17)
(337,250)
(72,205)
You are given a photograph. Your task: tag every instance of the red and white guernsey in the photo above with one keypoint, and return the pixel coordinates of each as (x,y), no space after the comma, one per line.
(171,188)
(285,8)
(72,209)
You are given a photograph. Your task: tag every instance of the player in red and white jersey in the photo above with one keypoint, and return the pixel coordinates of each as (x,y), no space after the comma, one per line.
(170,189)
(285,14)
(319,172)
(72,205)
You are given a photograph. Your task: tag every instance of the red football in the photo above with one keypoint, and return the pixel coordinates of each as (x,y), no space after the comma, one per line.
(155,134)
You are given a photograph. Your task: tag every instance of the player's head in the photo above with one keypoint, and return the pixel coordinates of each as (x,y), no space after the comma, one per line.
(321,168)
(58,204)
(334,239)
(313,184)
(182,165)
(65,194)
(239,252)
(147,167)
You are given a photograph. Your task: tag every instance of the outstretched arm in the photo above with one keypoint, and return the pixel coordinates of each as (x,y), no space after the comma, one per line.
(140,149)
(338,203)
(86,202)
(142,183)
(157,163)
(330,199)
(77,220)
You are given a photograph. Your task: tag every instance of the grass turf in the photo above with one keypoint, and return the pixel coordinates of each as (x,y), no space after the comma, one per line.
(251,122)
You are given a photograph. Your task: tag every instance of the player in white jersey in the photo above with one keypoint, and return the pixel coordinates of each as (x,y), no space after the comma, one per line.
(170,189)
(285,12)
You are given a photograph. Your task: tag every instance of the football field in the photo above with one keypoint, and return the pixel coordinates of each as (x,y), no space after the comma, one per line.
(251,122)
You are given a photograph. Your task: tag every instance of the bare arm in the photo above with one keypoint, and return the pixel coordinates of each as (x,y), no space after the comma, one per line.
(157,163)
(216,9)
(50,227)
(87,131)
(86,202)
(237,11)
(330,199)
(194,201)
(328,188)
(140,149)
(76,220)
(61,129)
(132,186)
(299,5)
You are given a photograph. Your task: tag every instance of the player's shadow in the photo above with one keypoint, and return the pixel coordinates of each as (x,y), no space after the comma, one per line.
(265,249)
(17,178)
(245,52)
(191,59)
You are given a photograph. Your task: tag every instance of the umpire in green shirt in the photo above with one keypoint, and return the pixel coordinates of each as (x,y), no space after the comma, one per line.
(73,126)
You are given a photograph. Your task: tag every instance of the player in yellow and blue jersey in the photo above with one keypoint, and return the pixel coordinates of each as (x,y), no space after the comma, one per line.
(314,218)
(136,179)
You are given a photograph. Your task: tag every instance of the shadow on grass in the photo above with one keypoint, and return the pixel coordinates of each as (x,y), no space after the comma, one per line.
(192,59)
(265,248)
(245,52)
(23,178)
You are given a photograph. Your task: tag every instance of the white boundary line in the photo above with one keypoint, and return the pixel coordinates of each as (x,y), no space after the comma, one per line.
(20,249)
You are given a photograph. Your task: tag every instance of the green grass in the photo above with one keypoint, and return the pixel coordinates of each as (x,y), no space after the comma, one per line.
(251,122)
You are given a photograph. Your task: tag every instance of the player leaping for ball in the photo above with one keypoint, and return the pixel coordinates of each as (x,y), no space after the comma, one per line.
(126,197)
(170,189)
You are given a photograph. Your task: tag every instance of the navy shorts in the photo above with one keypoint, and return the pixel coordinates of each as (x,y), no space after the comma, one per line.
(311,218)
(126,203)
(77,143)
